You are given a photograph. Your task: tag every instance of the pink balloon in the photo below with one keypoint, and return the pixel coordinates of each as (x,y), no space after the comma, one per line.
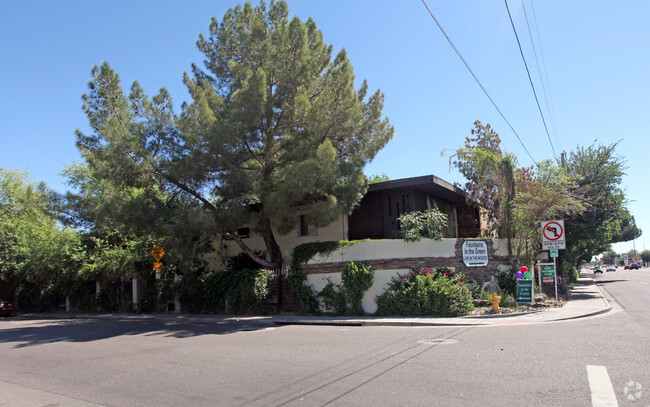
(524,269)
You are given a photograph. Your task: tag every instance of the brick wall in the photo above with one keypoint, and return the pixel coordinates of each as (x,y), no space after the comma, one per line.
(394,262)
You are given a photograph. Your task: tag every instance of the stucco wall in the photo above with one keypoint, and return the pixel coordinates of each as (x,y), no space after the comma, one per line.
(396,257)
(337,230)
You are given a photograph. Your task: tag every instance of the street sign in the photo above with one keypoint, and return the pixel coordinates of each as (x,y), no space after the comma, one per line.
(524,291)
(554,253)
(157,252)
(548,273)
(475,253)
(553,237)
(548,270)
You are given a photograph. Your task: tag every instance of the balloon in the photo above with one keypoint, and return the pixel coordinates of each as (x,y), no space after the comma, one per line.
(519,274)
(527,274)
(524,269)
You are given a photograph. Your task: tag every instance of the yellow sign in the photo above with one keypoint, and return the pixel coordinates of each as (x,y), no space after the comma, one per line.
(157,252)
(157,266)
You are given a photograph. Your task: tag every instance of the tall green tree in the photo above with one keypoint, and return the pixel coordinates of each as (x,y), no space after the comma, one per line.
(544,192)
(274,123)
(598,172)
(490,174)
(36,251)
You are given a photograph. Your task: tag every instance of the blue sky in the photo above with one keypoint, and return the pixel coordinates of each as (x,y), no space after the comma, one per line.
(592,57)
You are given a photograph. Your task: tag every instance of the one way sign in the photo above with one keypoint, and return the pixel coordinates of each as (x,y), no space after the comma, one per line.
(553,237)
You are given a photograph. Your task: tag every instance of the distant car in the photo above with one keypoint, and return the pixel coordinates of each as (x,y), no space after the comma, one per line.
(6,308)
(626,267)
(634,266)
(611,268)
(598,269)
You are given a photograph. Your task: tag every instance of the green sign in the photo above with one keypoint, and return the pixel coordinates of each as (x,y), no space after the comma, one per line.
(554,253)
(548,271)
(524,291)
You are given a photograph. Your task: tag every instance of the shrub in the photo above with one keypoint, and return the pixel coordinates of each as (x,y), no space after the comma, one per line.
(426,291)
(425,224)
(305,295)
(333,298)
(507,281)
(346,298)
(356,279)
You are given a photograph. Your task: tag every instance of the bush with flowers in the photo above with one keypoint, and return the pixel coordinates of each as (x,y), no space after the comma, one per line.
(426,292)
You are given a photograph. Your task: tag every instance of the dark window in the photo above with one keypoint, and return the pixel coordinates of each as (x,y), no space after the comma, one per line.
(305,228)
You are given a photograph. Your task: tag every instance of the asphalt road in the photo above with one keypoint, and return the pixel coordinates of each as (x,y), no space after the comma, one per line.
(630,289)
(158,362)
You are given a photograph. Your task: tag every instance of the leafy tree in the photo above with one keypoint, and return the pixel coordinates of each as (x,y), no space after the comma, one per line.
(543,193)
(36,252)
(645,256)
(598,172)
(490,175)
(274,123)
(377,178)
(138,217)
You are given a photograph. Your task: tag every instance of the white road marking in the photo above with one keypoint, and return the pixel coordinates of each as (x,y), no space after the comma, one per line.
(644,283)
(602,392)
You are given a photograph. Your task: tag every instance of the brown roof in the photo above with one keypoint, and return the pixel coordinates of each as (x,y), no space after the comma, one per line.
(429,184)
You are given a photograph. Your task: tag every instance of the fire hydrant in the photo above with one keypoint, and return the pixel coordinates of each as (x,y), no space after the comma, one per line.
(495,300)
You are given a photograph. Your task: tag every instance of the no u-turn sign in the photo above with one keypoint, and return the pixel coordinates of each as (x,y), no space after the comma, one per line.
(553,237)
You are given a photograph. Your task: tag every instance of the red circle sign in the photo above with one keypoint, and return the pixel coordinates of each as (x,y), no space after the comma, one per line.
(552,231)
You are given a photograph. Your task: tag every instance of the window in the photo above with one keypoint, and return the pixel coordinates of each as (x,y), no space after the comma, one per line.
(305,228)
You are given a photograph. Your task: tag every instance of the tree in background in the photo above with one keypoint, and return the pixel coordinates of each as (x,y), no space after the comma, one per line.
(490,175)
(377,178)
(543,192)
(598,173)
(274,124)
(583,188)
(37,254)
(645,256)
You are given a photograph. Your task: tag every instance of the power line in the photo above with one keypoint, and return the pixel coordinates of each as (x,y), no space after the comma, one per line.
(477,81)
(530,79)
(539,70)
(548,84)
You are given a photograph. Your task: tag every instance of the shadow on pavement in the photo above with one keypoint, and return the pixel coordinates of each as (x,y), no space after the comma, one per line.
(45,331)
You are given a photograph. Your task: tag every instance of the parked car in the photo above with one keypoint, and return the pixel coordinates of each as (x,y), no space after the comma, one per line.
(611,268)
(626,267)
(6,308)
(634,266)
(598,269)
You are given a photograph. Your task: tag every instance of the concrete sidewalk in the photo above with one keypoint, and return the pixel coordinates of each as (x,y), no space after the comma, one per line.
(585,300)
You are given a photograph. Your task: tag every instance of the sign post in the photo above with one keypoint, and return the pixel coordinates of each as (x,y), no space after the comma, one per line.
(549,274)
(157,253)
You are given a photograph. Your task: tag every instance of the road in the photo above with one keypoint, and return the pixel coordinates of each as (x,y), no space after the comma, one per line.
(630,289)
(142,361)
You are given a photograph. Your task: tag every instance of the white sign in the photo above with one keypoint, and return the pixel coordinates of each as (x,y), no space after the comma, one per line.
(553,236)
(475,253)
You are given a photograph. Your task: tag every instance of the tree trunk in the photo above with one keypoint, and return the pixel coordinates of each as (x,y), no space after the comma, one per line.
(272,247)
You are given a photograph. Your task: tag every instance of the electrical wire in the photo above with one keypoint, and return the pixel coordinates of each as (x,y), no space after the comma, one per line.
(477,81)
(548,84)
(530,79)
(539,70)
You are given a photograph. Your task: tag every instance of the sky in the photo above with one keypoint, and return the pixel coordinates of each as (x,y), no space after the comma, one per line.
(588,61)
